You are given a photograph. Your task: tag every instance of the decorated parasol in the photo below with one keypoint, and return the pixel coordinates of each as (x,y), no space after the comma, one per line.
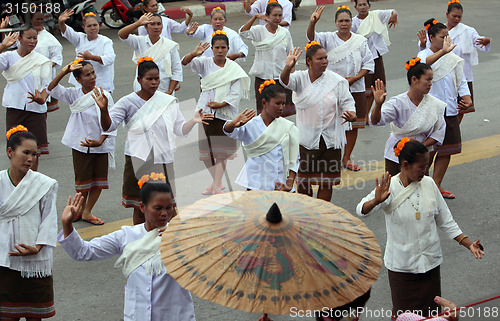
(267,252)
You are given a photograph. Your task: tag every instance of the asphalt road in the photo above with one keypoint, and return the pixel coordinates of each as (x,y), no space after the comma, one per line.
(94,290)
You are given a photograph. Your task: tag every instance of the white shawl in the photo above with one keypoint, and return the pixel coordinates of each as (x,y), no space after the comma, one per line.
(139,140)
(447,64)
(279,132)
(27,194)
(145,250)
(464,34)
(221,80)
(35,63)
(371,24)
(348,48)
(270,42)
(160,51)
(428,115)
(425,186)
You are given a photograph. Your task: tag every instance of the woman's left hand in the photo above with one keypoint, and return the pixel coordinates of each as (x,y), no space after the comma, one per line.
(351,80)
(393,21)
(100,98)
(24,250)
(477,249)
(37,97)
(199,117)
(86,55)
(90,143)
(349,115)
(483,41)
(282,187)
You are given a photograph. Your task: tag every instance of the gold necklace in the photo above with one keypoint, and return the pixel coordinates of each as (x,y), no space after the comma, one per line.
(417,212)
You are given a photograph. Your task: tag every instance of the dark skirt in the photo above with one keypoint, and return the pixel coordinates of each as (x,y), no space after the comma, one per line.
(213,143)
(91,171)
(25,297)
(360,104)
(379,73)
(289,105)
(36,123)
(415,292)
(452,143)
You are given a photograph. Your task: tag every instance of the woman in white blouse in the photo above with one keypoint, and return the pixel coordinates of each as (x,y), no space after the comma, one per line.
(93,47)
(414,210)
(169,25)
(272,44)
(350,57)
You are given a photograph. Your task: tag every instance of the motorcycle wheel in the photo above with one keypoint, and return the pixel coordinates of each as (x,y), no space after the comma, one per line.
(112,19)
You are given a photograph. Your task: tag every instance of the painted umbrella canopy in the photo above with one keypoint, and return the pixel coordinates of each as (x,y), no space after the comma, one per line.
(313,255)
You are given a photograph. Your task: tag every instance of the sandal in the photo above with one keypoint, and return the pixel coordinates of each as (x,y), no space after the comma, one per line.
(94,221)
(447,195)
(352,167)
(210,191)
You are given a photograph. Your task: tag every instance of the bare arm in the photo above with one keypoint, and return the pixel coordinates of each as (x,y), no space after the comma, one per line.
(249,24)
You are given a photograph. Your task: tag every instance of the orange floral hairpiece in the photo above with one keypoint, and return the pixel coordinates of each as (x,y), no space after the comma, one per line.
(453,1)
(412,63)
(434,22)
(153,176)
(18,128)
(343,7)
(265,84)
(90,14)
(217,8)
(400,146)
(143,59)
(312,43)
(219,32)
(77,61)
(272,1)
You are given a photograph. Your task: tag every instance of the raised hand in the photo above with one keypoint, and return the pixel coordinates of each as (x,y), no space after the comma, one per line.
(422,36)
(244,117)
(65,15)
(379,93)
(483,41)
(349,116)
(37,97)
(100,98)
(69,68)
(393,21)
(145,19)
(85,55)
(447,45)
(200,49)
(192,28)
(5,22)
(73,207)
(316,15)
(10,39)
(199,117)
(293,56)
(261,16)
(187,11)
(382,190)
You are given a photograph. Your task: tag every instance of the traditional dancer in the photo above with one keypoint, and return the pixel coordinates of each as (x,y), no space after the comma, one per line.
(373,25)
(93,47)
(323,100)
(28,74)
(414,210)
(28,230)
(153,119)
(150,293)
(237,48)
(270,141)
(223,84)
(415,113)
(89,145)
(448,83)
(467,40)
(169,25)
(350,57)
(259,8)
(50,47)
(164,52)
(272,44)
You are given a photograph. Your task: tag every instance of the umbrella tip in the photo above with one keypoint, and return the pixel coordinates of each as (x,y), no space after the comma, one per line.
(274,214)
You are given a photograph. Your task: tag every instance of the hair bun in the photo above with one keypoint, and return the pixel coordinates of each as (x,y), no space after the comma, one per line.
(265,84)
(143,59)
(343,7)
(219,32)
(412,63)
(153,176)
(12,131)
(312,43)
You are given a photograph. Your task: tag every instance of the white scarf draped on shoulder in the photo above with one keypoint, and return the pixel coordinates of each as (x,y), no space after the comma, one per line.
(160,51)
(279,132)
(464,34)
(221,80)
(27,194)
(425,186)
(270,42)
(373,24)
(427,116)
(35,63)
(348,48)
(449,63)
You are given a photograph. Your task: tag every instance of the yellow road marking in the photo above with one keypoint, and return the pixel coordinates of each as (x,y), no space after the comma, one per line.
(472,150)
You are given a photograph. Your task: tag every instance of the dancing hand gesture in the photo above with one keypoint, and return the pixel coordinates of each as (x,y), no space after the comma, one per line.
(187,11)
(199,117)
(10,39)
(25,249)
(200,49)
(382,190)
(293,56)
(69,68)
(244,117)
(192,28)
(477,249)
(447,45)
(422,36)
(65,15)
(73,207)
(145,19)
(349,116)
(37,97)
(393,21)
(316,15)
(483,41)
(5,22)
(379,93)
(100,98)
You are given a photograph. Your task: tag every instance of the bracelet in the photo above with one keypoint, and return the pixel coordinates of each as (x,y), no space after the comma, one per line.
(461,239)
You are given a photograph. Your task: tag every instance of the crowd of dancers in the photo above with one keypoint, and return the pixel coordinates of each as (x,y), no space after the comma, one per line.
(332,99)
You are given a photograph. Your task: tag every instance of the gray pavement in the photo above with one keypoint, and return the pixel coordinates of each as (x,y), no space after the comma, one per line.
(94,290)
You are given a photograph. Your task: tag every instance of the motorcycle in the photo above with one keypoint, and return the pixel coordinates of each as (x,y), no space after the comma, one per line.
(80,8)
(118,13)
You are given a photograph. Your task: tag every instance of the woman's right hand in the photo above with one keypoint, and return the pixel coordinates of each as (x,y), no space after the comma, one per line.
(5,22)
(200,49)
(316,15)
(63,17)
(192,28)
(244,117)
(10,39)
(422,37)
(73,206)
(69,68)
(293,56)
(145,19)
(379,93)
(382,190)
(447,45)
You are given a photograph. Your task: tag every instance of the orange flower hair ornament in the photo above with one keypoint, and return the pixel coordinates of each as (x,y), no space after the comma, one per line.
(219,32)
(143,59)
(77,61)
(265,84)
(412,63)
(18,128)
(217,8)
(312,43)
(453,1)
(400,146)
(434,22)
(343,7)
(90,14)
(153,176)
(272,1)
